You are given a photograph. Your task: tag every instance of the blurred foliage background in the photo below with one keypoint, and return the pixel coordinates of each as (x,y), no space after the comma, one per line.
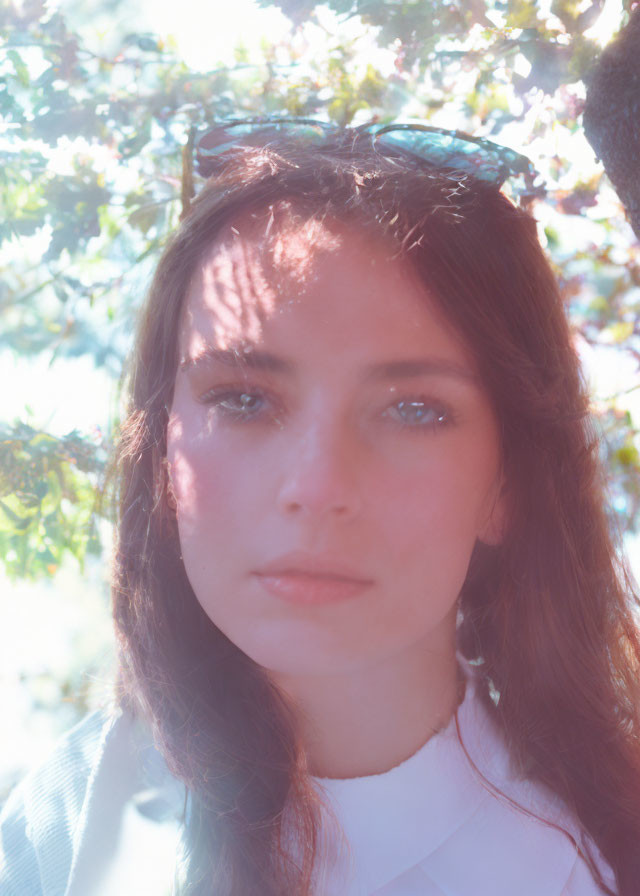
(97,100)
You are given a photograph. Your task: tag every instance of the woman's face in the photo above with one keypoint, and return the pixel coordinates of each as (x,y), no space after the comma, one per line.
(333,455)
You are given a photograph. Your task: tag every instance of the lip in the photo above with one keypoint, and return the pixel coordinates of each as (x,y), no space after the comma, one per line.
(301,578)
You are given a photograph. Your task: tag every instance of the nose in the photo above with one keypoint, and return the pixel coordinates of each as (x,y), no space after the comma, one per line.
(321,474)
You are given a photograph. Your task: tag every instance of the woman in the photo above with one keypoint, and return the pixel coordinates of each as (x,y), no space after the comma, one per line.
(365,592)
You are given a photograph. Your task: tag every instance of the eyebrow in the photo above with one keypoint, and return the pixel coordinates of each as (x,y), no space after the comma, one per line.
(239,357)
(254,359)
(391,370)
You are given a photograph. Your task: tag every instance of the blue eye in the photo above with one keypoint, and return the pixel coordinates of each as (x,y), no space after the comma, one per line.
(234,403)
(419,413)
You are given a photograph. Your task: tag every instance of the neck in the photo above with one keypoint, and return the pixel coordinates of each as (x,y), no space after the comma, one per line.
(367,721)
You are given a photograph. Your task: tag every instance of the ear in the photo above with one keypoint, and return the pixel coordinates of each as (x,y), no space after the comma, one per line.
(495,526)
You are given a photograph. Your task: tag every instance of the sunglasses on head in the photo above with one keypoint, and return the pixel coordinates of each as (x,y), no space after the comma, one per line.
(451,150)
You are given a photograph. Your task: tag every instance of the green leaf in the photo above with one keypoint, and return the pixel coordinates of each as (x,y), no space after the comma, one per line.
(22,72)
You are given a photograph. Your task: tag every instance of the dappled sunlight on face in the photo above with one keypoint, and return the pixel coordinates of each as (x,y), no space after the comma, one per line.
(259,264)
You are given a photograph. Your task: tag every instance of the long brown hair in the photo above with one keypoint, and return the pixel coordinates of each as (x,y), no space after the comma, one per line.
(547,615)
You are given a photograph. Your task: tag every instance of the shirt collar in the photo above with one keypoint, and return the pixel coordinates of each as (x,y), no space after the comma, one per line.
(444,797)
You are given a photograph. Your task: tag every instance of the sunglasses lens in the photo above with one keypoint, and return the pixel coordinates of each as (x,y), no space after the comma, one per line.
(218,140)
(483,159)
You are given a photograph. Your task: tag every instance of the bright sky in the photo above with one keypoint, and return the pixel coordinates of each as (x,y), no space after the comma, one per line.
(206,33)
(210,32)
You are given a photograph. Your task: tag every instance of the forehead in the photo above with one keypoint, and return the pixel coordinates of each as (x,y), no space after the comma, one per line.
(246,271)
(277,264)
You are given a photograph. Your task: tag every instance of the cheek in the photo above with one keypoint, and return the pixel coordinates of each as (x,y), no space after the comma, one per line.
(447,494)
(433,513)
(217,489)
(203,482)
(209,513)
(183,479)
